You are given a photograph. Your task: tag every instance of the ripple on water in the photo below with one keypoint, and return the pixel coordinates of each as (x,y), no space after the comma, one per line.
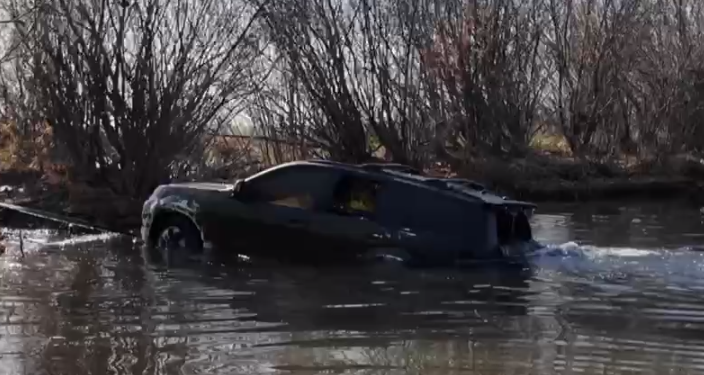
(91,306)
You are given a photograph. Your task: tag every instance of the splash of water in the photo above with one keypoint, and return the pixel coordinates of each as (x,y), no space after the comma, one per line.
(43,239)
(617,263)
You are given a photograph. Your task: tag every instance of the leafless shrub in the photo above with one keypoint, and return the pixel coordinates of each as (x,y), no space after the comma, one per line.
(488,74)
(132,89)
(666,96)
(286,121)
(414,76)
(352,72)
(627,76)
(25,138)
(591,47)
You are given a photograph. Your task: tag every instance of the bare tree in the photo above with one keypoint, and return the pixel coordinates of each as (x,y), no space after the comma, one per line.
(416,76)
(314,38)
(282,113)
(354,75)
(628,76)
(489,74)
(133,89)
(665,97)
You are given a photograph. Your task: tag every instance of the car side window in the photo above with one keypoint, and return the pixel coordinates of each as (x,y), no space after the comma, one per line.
(300,187)
(355,196)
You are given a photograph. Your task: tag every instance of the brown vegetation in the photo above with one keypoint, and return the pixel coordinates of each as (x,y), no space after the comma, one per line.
(526,95)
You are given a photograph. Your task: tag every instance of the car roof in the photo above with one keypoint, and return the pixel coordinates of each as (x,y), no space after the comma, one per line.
(456,187)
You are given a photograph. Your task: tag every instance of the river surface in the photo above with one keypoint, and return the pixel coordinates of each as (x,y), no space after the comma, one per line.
(616,292)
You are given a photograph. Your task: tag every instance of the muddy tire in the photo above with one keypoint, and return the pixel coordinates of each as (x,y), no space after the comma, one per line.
(176,242)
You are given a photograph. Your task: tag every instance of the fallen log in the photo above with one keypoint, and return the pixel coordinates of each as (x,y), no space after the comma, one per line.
(61,219)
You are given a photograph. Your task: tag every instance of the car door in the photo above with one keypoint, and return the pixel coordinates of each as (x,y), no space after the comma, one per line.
(347,226)
(229,225)
(279,210)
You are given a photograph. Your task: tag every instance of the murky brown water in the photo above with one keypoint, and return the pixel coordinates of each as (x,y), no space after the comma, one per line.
(616,304)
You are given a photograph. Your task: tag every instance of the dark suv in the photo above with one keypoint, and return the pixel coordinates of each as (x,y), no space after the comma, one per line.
(321,211)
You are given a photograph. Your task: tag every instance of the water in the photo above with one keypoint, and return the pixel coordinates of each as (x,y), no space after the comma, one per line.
(615,293)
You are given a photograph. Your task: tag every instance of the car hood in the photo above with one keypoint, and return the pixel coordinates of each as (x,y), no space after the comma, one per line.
(218,186)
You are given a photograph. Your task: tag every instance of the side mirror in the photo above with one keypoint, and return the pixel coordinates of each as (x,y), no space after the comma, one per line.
(237,187)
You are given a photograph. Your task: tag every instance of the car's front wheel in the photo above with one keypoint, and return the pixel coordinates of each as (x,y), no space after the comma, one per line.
(176,242)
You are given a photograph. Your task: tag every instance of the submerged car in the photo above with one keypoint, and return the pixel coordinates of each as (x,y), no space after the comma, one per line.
(322,211)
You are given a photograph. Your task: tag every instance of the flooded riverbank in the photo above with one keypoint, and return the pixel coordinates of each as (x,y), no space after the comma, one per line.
(625,298)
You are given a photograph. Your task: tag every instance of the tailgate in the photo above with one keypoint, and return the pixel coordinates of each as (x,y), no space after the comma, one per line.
(512,221)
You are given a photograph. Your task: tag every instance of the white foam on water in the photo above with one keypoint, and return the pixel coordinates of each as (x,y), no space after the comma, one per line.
(82,239)
(593,262)
(41,239)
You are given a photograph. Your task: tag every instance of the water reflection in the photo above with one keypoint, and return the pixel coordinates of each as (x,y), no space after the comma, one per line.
(91,306)
(645,225)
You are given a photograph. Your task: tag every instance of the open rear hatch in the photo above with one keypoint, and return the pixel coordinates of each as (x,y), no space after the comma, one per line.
(512,223)
(513,234)
(512,217)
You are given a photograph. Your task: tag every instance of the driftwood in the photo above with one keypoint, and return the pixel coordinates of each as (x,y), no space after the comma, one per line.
(67,221)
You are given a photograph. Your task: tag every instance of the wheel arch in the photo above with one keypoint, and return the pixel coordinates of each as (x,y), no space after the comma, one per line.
(163,214)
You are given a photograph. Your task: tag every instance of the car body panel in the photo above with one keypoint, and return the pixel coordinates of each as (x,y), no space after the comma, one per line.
(434,220)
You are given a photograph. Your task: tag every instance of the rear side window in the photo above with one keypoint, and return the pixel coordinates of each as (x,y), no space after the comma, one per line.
(356,196)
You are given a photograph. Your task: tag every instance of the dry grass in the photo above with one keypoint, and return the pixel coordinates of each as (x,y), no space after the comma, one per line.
(25,152)
(550,143)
